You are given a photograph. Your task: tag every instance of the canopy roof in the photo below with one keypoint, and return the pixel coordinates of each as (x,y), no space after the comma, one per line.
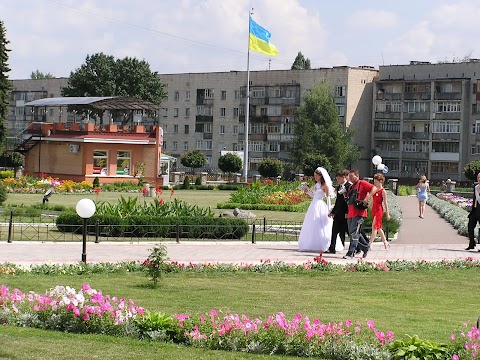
(97,103)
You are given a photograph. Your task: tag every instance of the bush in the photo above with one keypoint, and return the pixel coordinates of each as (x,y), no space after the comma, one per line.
(6,174)
(270,168)
(198,180)
(229,187)
(96,182)
(186,183)
(3,193)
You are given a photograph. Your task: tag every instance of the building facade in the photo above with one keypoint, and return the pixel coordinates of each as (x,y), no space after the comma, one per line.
(426,119)
(206,111)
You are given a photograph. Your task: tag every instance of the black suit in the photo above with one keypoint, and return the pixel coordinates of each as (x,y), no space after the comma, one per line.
(473,219)
(339,212)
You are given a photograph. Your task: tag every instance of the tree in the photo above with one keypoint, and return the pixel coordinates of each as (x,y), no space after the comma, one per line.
(301,62)
(5,84)
(35,75)
(313,161)
(230,163)
(318,130)
(270,167)
(102,75)
(193,159)
(471,170)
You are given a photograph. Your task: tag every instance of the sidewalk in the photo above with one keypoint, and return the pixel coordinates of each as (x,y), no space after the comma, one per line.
(430,239)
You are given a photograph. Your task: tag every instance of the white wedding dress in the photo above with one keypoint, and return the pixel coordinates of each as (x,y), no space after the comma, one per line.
(316,230)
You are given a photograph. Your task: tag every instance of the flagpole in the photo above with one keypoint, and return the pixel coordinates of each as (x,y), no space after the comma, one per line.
(247,110)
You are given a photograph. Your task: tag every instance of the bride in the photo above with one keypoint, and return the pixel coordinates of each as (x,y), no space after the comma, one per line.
(317,226)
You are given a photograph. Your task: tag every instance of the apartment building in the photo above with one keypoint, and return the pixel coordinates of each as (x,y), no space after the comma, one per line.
(426,119)
(206,111)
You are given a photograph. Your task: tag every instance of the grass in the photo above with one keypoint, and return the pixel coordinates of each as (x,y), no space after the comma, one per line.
(202,198)
(424,303)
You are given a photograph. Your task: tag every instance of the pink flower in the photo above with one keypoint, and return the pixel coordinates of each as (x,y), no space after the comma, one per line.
(370,324)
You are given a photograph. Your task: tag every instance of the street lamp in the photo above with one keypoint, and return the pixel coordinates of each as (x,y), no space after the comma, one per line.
(85,209)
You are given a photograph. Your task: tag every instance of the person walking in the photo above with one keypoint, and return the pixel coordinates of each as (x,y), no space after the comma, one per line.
(316,229)
(422,194)
(474,215)
(379,206)
(358,195)
(340,211)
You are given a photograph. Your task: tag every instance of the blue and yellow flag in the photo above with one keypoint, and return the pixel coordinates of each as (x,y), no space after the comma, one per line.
(260,40)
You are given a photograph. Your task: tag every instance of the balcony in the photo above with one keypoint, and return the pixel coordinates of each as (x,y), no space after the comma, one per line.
(258,101)
(448,96)
(447,116)
(446,136)
(417,96)
(208,136)
(387,115)
(407,135)
(425,115)
(407,155)
(203,118)
(257,137)
(444,156)
(389,154)
(389,96)
(280,137)
(386,134)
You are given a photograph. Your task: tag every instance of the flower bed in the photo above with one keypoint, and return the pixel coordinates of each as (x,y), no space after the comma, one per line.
(90,311)
(460,201)
(447,207)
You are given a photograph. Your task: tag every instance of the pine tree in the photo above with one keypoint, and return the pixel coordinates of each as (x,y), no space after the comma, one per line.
(5,84)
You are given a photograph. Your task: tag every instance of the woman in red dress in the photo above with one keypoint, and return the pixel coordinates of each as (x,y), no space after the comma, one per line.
(379,205)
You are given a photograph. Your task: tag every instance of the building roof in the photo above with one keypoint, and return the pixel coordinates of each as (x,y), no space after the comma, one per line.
(97,103)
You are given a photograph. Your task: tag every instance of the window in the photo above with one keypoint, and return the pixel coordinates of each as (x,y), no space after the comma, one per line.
(236,94)
(185,145)
(100,162)
(222,112)
(165,127)
(203,145)
(288,128)
(175,129)
(387,126)
(176,96)
(274,110)
(187,129)
(242,109)
(20,111)
(123,162)
(340,90)
(388,106)
(258,146)
(273,146)
(444,167)
(209,93)
(476,127)
(224,95)
(235,112)
(415,146)
(165,112)
(447,126)
(448,106)
(341,110)
(187,112)
(257,128)
(412,166)
(417,106)
(274,129)
(235,147)
(175,112)
(447,146)
(187,95)
(208,127)
(258,93)
(235,129)
(174,145)
(221,129)
(263,111)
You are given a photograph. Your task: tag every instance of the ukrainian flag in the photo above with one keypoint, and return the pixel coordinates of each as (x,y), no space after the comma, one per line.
(260,40)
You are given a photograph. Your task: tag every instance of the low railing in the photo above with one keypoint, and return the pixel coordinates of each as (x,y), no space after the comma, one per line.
(44,228)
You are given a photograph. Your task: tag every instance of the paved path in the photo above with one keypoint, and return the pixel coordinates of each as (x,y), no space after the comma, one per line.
(430,239)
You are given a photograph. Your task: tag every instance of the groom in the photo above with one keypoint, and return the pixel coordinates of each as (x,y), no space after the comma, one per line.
(339,211)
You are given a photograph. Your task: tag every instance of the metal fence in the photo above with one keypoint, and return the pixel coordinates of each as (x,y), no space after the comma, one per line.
(43,228)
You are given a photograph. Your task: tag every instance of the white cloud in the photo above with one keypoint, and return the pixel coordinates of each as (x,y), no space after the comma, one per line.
(371,20)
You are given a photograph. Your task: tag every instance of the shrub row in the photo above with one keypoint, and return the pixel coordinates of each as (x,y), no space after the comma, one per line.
(274,207)
(155,226)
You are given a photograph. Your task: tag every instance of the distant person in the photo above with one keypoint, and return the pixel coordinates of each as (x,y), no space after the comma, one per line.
(474,215)
(317,226)
(422,194)
(340,211)
(358,194)
(379,206)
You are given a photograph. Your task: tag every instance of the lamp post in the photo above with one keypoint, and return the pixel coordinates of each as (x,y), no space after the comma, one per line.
(85,209)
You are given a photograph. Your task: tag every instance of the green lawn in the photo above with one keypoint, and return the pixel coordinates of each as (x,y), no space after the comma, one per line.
(202,198)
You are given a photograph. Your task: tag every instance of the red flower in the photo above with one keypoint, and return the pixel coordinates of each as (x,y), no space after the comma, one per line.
(269,182)
(159,190)
(160,201)
(97,190)
(144,191)
(172,192)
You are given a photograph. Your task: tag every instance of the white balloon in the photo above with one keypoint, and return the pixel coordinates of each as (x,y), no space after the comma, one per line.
(380,167)
(377,160)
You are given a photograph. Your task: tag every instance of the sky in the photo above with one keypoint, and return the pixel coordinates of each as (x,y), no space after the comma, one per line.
(192,36)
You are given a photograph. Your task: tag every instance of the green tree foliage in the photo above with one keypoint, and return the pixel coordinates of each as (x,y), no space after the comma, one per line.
(230,163)
(318,131)
(5,84)
(102,75)
(270,167)
(11,159)
(471,170)
(301,62)
(193,159)
(35,75)
(313,161)
(3,193)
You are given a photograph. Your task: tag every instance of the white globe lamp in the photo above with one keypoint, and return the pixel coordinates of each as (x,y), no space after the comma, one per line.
(85,209)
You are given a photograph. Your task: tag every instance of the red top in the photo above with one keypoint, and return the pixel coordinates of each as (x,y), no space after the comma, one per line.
(377,209)
(364,188)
